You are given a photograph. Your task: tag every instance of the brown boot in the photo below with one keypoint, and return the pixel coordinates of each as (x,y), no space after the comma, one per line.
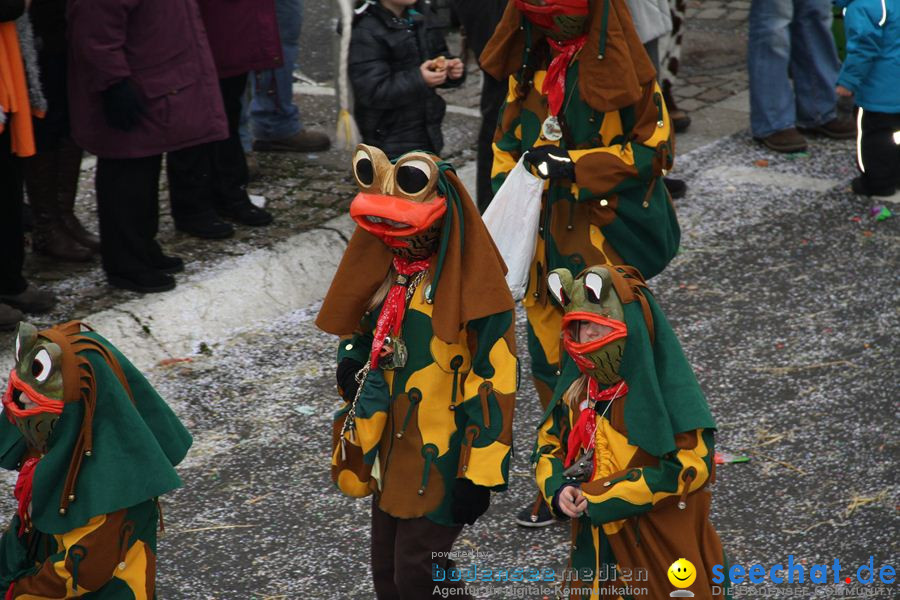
(49,237)
(69,169)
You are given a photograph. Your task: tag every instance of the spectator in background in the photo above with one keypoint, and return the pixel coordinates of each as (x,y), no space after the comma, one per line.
(274,118)
(479,19)
(653,22)
(142,82)
(396,61)
(209,181)
(669,63)
(51,175)
(791,40)
(871,71)
(16,142)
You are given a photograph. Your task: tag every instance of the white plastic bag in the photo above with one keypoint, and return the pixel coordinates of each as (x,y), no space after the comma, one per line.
(512,218)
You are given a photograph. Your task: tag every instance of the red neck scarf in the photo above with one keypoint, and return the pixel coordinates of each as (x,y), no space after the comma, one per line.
(581,438)
(392,311)
(22,492)
(555,81)
(543,17)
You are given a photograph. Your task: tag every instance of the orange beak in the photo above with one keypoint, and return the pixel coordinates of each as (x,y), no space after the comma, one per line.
(390,217)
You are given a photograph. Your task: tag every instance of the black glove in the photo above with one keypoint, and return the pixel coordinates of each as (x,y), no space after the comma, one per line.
(470,501)
(346,377)
(551,163)
(122,105)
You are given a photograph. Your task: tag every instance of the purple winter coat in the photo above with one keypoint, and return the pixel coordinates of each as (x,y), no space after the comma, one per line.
(243,35)
(161,46)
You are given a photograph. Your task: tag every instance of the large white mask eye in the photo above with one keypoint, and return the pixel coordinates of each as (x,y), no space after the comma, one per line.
(41,366)
(363,169)
(18,349)
(554,282)
(593,283)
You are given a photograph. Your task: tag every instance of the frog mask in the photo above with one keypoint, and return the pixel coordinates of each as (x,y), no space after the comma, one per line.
(399,202)
(34,398)
(593,327)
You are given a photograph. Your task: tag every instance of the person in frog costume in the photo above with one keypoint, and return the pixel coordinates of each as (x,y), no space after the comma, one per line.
(626,446)
(95,447)
(426,366)
(585,112)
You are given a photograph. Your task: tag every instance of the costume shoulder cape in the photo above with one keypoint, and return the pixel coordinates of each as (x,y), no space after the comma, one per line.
(612,67)
(664,397)
(135,448)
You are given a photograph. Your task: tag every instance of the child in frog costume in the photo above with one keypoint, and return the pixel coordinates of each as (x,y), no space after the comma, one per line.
(626,447)
(584,110)
(426,365)
(95,447)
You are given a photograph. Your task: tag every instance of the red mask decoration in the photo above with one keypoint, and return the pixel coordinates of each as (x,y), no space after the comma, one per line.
(579,351)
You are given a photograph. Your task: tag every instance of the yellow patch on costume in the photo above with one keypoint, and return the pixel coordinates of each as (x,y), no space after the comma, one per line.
(546,321)
(435,419)
(484,466)
(624,154)
(511,89)
(597,240)
(504,363)
(369,430)
(69,539)
(350,484)
(503,161)
(611,126)
(444,353)
(539,81)
(662,133)
(135,572)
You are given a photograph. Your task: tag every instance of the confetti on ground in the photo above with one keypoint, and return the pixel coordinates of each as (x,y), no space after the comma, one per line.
(761,163)
(724,458)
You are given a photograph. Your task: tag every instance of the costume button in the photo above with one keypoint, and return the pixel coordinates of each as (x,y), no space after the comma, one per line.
(122,566)
(348,347)
(604,202)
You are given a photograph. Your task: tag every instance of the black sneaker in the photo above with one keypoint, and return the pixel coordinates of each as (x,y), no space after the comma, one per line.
(245,213)
(677,187)
(528,517)
(144,282)
(860,187)
(208,229)
(168,264)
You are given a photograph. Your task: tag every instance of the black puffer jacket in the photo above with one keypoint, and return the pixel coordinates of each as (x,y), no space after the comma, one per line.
(394,109)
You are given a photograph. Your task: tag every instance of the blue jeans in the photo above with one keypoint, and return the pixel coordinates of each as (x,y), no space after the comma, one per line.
(791,37)
(273,115)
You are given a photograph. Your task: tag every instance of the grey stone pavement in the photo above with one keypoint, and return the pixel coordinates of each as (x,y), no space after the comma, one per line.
(785,296)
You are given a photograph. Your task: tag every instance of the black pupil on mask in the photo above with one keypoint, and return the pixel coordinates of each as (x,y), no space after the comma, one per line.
(36,369)
(411,180)
(365,172)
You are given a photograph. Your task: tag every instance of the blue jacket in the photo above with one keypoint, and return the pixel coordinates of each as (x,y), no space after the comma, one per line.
(872,67)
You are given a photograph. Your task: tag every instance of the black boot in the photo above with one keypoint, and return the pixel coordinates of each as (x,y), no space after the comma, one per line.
(49,237)
(68,171)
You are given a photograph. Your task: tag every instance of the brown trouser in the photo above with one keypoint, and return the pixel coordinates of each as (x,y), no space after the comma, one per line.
(401,556)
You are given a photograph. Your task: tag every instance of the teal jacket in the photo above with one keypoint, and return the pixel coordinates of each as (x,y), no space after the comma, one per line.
(872,66)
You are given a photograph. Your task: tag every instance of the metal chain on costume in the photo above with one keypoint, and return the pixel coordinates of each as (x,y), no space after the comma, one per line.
(360,377)
(350,421)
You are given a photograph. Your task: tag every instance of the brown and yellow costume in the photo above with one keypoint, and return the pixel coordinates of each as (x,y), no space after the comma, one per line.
(434,415)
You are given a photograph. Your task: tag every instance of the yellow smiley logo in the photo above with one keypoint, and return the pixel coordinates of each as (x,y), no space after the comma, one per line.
(682,573)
